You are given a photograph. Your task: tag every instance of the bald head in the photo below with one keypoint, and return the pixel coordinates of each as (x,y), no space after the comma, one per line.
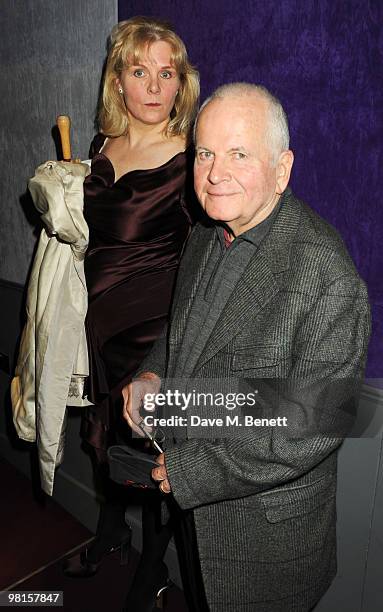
(276,124)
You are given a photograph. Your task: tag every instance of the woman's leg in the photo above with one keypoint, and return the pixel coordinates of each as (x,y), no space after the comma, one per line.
(155,536)
(151,574)
(112,531)
(111,527)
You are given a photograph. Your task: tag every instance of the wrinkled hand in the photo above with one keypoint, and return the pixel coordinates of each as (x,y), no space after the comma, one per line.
(134,394)
(160,474)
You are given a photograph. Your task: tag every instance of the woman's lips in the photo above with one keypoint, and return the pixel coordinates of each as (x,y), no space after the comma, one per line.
(154,104)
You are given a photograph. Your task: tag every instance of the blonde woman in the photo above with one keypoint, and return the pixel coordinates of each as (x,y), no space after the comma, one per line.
(137,205)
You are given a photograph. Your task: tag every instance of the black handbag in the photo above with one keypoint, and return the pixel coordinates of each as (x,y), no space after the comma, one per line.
(131,467)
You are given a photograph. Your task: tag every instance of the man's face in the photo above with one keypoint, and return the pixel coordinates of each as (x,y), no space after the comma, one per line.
(234,176)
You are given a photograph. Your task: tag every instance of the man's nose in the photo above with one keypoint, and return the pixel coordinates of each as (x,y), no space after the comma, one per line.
(219,171)
(154,85)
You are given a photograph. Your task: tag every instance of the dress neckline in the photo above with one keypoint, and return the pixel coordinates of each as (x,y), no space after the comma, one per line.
(138,170)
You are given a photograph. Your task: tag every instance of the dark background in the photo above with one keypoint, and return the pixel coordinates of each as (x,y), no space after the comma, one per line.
(322,59)
(317,57)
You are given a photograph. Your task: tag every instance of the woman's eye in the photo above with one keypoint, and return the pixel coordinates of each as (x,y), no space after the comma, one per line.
(165,74)
(138,73)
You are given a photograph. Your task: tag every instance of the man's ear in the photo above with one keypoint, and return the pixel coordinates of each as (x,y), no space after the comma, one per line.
(283,170)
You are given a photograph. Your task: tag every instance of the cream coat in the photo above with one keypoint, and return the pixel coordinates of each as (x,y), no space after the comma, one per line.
(53,363)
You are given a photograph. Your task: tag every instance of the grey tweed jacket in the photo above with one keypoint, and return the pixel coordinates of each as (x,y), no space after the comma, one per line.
(298,323)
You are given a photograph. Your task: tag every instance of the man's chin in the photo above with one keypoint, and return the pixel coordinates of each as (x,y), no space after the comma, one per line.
(218,215)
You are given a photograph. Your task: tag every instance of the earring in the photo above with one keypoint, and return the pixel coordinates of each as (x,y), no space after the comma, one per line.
(120,90)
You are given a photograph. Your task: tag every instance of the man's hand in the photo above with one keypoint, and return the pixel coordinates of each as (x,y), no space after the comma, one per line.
(160,474)
(134,395)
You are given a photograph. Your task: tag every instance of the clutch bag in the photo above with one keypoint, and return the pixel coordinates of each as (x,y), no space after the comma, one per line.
(131,467)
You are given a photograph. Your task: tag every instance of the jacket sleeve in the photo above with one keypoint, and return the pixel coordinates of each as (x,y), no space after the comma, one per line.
(329,356)
(156,360)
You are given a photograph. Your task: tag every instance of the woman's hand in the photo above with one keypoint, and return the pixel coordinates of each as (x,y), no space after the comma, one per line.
(134,395)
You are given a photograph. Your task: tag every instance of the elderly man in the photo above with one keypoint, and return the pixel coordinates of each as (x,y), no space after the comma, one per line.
(266,292)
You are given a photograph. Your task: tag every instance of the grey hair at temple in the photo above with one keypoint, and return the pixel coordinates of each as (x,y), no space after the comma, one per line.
(278,132)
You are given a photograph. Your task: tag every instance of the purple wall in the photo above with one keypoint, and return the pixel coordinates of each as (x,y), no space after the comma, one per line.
(322,60)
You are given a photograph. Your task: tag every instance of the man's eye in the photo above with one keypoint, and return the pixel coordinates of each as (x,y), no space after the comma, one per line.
(239,155)
(139,73)
(205,155)
(165,74)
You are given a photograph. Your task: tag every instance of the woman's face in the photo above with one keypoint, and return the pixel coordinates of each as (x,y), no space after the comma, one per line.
(150,87)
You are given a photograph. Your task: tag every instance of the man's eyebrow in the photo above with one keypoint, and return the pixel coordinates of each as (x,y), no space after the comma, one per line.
(231,150)
(234,149)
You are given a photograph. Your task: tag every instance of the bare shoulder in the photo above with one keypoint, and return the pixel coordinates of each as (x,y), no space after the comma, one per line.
(158,153)
(143,155)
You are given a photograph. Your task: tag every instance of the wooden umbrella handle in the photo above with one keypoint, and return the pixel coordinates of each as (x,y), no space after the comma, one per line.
(63,124)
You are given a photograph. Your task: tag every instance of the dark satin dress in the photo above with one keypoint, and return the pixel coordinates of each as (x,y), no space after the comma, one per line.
(137,228)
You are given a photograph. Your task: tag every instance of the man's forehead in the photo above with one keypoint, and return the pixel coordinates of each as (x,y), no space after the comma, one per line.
(231,115)
(252,103)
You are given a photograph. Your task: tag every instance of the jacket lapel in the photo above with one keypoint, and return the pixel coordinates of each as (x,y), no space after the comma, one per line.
(193,266)
(261,279)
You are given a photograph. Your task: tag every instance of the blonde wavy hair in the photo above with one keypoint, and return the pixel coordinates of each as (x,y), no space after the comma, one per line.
(128,40)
